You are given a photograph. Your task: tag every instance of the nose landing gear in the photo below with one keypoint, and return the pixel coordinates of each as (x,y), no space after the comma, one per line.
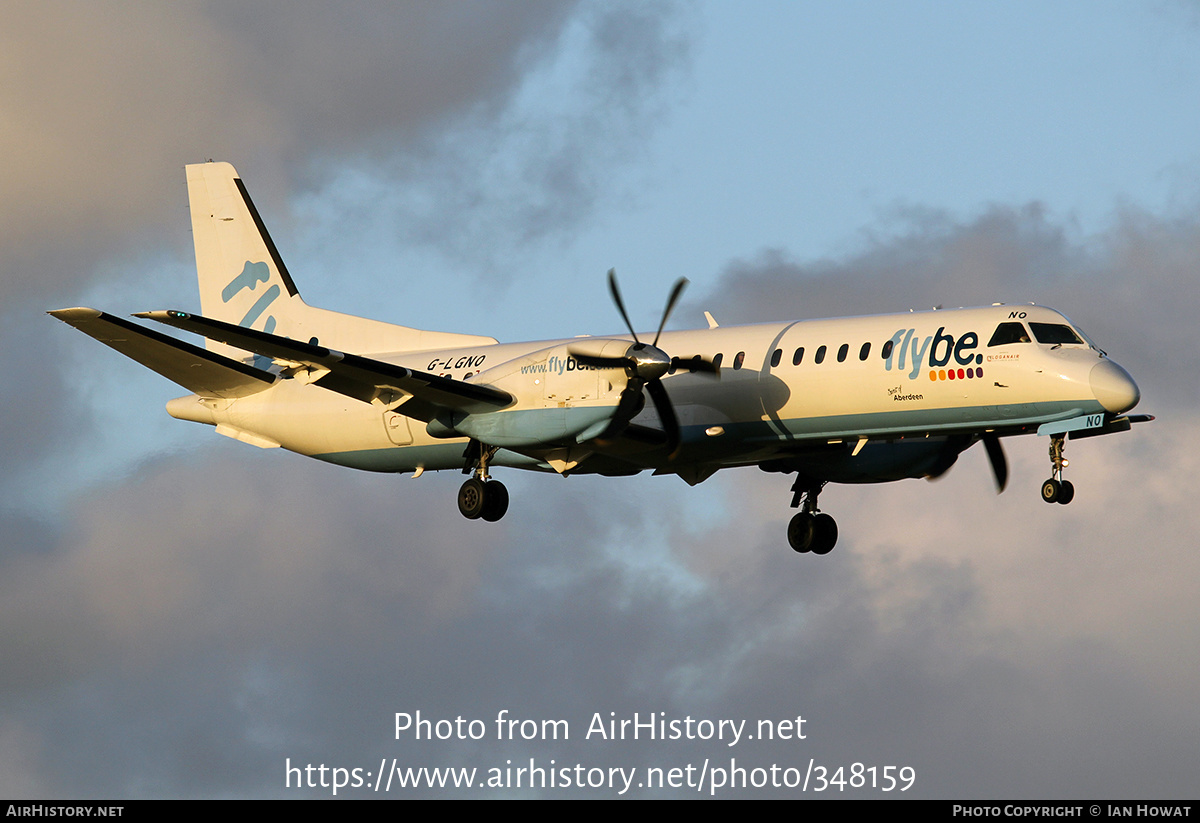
(811,530)
(481,497)
(1057,490)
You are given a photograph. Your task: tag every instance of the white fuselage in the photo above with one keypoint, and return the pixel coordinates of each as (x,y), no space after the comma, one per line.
(804,391)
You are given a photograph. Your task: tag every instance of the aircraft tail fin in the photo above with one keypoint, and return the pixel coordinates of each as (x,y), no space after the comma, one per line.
(244,281)
(242,278)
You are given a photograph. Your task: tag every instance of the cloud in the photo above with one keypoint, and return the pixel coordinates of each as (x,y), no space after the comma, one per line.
(105,105)
(497,184)
(232,609)
(502,122)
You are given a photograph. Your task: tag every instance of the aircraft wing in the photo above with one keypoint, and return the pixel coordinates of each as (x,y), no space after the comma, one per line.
(362,378)
(197,370)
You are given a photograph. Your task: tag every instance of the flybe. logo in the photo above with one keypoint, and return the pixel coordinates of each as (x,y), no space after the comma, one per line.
(253,274)
(556,365)
(940,352)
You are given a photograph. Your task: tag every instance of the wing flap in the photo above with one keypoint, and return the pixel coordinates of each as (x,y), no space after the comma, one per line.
(197,370)
(362,378)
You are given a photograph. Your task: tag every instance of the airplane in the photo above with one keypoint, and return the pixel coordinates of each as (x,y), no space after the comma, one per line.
(849,400)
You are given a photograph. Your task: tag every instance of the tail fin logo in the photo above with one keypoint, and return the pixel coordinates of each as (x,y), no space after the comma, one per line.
(253,274)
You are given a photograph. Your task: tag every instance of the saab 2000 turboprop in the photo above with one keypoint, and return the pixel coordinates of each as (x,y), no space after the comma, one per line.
(849,400)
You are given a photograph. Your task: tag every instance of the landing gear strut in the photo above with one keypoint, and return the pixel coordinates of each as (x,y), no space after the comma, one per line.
(811,530)
(1057,490)
(481,497)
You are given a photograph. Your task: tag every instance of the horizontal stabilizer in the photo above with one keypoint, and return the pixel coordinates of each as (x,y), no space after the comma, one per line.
(352,375)
(202,372)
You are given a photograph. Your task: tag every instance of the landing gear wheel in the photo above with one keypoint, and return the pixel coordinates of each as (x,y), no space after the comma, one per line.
(1051,490)
(1066,492)
(810,530)
(801,531)
(1057,490)
(472,499)
(495,500)
(825,534)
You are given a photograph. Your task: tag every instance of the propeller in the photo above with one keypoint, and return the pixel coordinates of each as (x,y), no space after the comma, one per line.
(644,365)
(995,453)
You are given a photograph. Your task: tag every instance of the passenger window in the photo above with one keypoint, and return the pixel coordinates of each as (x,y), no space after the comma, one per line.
(819,357)
(717,360)
(1054,333)
(842,352)
(674,367)
(865,351)
(1009,333)
(798,356)
(887,350)
(739,360)
(776,356)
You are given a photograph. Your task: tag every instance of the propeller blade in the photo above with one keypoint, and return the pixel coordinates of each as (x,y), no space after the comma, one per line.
(629,404)
(995,453)
(666,413)
(698,365)
(675,292)
(616,296)
(602,362)
(601,352)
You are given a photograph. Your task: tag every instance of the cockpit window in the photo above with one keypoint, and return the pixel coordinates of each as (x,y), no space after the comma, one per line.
(1055,333)
(1009,333)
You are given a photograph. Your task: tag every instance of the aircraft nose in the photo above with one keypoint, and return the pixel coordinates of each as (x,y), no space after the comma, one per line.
(1113,387)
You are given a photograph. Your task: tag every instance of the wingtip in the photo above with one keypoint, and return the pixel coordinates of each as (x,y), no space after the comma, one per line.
(76,313)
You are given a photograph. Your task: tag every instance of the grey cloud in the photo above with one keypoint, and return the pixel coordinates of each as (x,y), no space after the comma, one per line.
(112,102)
(193,628)
(33,379)
(105,104)
(543,164)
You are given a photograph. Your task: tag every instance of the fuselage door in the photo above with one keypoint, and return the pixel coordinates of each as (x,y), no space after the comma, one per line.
(397,428)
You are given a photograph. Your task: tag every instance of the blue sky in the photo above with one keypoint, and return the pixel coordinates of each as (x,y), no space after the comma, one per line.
(808,128)
(181,613)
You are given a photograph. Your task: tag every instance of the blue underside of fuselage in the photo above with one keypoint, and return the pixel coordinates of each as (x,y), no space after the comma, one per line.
(755,441)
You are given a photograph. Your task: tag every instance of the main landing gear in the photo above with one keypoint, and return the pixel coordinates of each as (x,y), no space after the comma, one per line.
(811,530)
(1057,490)
(481,497)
